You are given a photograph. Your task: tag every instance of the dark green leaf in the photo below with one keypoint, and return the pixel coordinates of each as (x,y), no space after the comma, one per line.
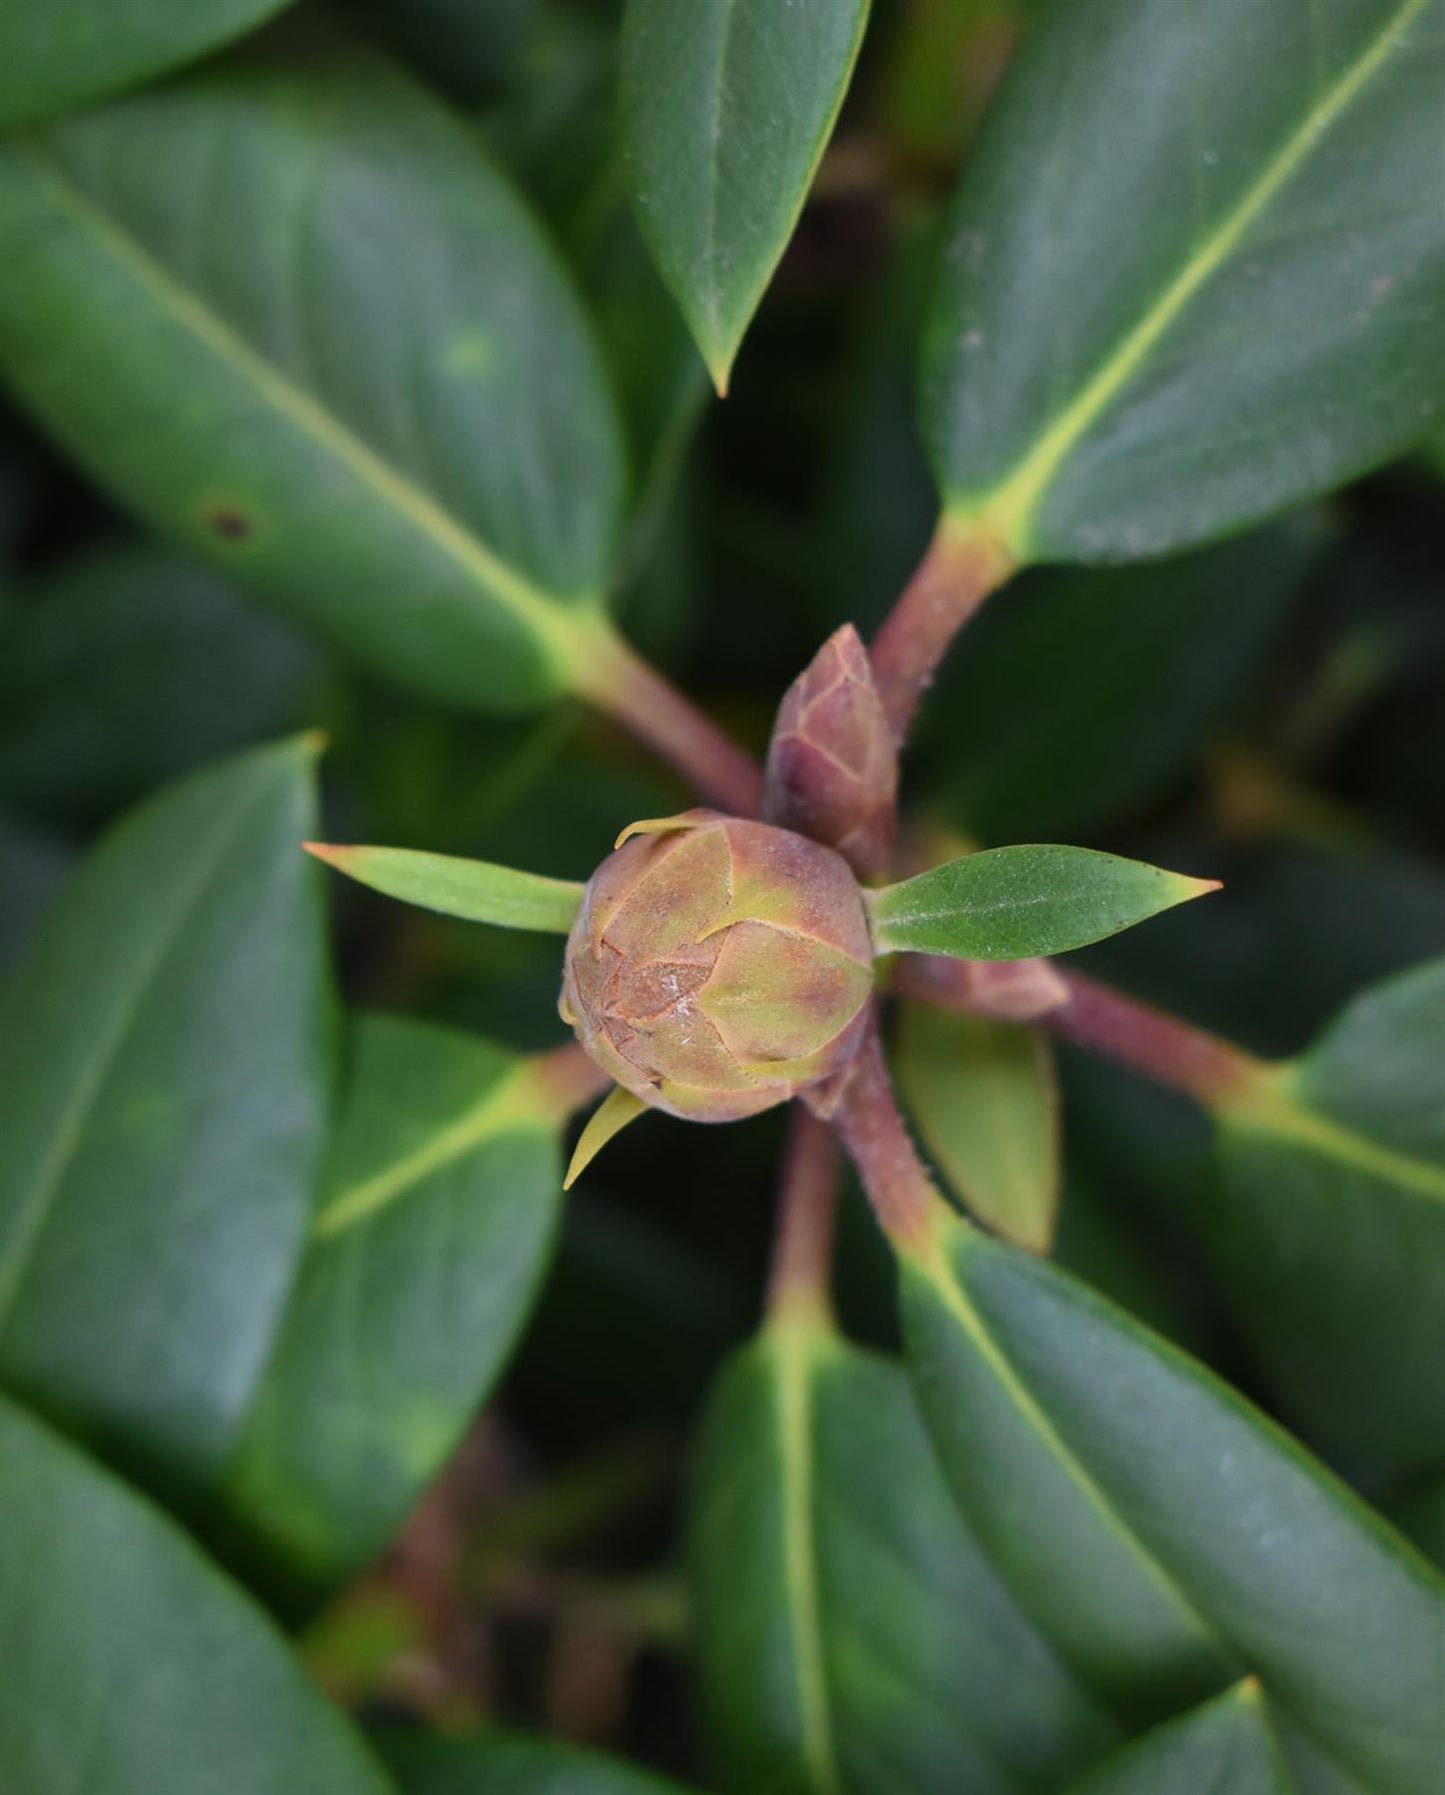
(162,1087)
(475,890)
(132,1666)
(503,1764)
(1225,1746)
(725,119)
(395,425)
(33,864)
(61,52)
(1014,903)
(1194,272)
(437,1211)
(986,1102)
(853,1637)
(1330,1221)
(1166,1536)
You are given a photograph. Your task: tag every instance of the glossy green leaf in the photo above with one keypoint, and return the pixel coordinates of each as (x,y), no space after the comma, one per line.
(852,1635)
(132,1666)
(1165,1535)
(1194,271)
(61,52)
(725,118)
(394,424)
(438,1205)
(131,666)
(1014,903)
(505,1764)
(163,1078)
(1329,1218)
(985,1099)
(1225,1746)
(472,889)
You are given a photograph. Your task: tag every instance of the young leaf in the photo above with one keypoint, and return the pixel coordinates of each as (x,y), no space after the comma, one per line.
(505,1764)
(163,1080)
(1015,903)
(141,1664)
(852,1634)
(1329,1220)
(1193,273)
(986,1101)
(65,51)
(726,113)
(1164,1534)
(1225,1745)
(395,423)
(473,889)
(438,1205)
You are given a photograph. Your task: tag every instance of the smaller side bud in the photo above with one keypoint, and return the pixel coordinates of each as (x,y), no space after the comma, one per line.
(832,764)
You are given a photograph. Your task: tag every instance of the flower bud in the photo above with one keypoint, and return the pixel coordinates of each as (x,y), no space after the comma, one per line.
(832,763)
(718,967)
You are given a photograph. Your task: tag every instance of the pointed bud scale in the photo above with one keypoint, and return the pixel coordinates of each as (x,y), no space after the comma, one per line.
(832,763)
(718,967)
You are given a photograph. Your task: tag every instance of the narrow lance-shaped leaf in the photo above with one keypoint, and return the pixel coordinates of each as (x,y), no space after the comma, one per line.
(473,889)
(131,1662)
(1164,1534)
(1015,903)
(163,1078)
(395,425)
(1194,271)
(1227,1746)
(726,112)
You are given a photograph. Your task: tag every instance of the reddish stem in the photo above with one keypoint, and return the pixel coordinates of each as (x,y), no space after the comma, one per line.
(567,1080)
(1211,1070)
(870,1127)
(962,566)
(807,1212)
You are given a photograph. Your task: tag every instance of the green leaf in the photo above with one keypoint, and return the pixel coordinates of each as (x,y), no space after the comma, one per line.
(475,890)
(394,426)
(725,121)
(852,1635)
(1166,1536)
(1194,271)
(439,1202)
(132,1664)
(163,1078)
(986,1102)
(62,52)
(1014,903)
(1329,1219)
(1225,1746)
(505,1764)
(131,666)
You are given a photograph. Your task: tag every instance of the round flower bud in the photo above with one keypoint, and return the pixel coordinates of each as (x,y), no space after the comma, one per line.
(718,967)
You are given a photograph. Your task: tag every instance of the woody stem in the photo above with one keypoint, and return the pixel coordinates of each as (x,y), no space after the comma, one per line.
(807,1212)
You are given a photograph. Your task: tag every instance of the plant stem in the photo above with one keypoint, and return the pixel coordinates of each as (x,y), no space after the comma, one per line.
(807,1211)
(616,679)
(566,1080)
(871,1128)
(1215,1072)
(963,565)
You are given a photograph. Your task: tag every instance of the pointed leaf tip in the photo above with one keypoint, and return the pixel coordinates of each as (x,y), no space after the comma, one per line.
(474,890)
(616,1110)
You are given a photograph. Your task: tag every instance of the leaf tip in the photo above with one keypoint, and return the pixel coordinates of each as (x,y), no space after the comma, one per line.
(617,1109)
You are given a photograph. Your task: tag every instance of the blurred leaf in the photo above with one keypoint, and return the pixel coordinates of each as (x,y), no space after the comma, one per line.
(1225,1746)
(1014,903)
(128,667)
(504,1764)
(395,424)
(438,1204)
(475,890)
(1330,1223)
(470,48)
(61,52)
(1193,273)
(984,1097)
(162,1090)
(725,122)
(1164,1534)
(852,1635)
(33,864)
(132,1666)
(1084,693)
